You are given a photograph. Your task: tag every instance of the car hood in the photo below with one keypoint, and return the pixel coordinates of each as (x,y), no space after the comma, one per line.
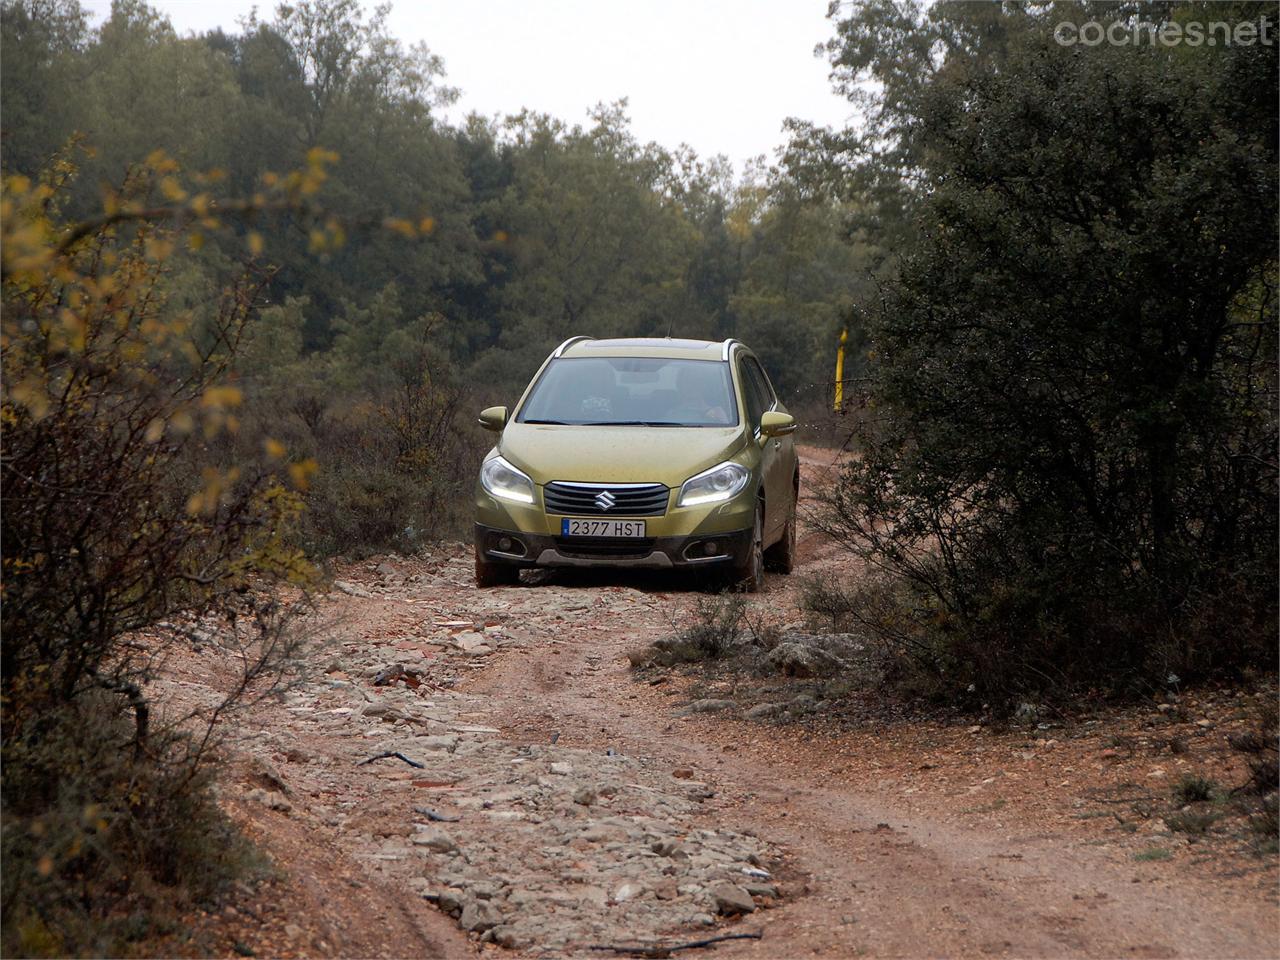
(588,454)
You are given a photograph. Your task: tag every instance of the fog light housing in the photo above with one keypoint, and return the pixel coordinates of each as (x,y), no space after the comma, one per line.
(507,544)
(710,548)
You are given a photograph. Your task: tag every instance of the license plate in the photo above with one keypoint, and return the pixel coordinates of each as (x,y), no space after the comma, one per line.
(570,527)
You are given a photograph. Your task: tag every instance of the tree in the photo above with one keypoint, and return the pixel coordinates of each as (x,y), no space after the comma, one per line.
(799,281)
(596,246)
(1069,469)
(40,43)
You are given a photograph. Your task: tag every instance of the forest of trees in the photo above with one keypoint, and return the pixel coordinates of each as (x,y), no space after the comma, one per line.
(539,229)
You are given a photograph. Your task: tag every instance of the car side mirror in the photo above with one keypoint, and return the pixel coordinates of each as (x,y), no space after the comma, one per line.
(774,424)
(493,418)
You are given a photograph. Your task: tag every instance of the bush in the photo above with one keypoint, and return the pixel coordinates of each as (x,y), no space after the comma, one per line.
(384,489)
(1068,463)
(1265,823)
(1261,746)
(1194,789)
(119,516)
(1259,794)
(717,620)
(102,846)
(712,634)
(917,661)
(391,424)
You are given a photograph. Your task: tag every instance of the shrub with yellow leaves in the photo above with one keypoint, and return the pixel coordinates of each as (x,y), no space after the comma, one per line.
(120,534)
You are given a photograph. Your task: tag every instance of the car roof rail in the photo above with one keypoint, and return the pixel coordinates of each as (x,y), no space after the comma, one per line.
(572,340)
(728,347)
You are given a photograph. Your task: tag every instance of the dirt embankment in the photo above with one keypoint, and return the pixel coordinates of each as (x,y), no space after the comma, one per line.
(532,797)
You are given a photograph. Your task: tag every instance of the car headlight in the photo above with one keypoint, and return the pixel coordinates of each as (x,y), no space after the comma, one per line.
(721,482)
(503,480)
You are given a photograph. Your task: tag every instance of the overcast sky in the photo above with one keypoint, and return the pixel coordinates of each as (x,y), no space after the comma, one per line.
(720,75)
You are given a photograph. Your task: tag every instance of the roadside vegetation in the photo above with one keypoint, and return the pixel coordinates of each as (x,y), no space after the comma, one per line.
(126,528)
(1065,476)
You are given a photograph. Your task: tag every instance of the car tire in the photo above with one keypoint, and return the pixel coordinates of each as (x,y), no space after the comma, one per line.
(748,577)
(781,557)
(496,574)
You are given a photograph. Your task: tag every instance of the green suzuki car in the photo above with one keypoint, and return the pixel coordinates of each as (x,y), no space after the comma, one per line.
(654,453)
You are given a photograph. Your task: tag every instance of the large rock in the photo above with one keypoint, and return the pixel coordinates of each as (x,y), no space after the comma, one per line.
(796,658)
(470,641)
(351,589)
(433,838)
(438,741)
(513,938)
(451,900)
(479,916)
(628,891)
(273,801)
(383,711)
(731,898)
(266,774)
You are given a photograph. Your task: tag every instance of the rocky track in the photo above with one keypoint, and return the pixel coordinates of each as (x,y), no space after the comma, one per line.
(468,770)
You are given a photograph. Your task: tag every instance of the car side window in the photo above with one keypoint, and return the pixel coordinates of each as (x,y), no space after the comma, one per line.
(757,402)
(762,385)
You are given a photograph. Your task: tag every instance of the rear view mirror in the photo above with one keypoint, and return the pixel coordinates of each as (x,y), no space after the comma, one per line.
(774,424)
(493,418)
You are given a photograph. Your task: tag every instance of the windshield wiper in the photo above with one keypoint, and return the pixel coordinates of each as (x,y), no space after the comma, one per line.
(556,423)
(635,423)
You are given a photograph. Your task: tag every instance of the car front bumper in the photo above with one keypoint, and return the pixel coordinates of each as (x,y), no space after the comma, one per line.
(707,535)
(515,547)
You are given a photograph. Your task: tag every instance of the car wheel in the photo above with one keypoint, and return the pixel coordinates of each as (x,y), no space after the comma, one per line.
(749,576)
(496,574)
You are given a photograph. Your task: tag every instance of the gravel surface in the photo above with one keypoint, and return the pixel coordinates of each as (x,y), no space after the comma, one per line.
(532,795)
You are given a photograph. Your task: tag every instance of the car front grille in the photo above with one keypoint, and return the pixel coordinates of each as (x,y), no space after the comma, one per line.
(606,500)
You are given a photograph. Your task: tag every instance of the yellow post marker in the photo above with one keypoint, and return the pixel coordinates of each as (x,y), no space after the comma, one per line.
(844,336)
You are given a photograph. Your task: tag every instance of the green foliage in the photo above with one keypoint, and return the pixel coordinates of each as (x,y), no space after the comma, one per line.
(1194,789)
(797,288)
(524,230)
(441,257)
(41,43)
(384,414)
(1068,462)
(1194,823)
(119,516)
(109,523)
(717,621)
(590,228)
(1265,824)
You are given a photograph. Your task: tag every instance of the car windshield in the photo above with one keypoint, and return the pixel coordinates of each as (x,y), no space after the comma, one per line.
(633,391)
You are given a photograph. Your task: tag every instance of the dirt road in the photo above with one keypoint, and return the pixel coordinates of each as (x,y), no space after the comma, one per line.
(541,797)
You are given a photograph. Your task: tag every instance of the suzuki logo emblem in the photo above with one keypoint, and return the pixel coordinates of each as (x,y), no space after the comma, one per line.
(605,500)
